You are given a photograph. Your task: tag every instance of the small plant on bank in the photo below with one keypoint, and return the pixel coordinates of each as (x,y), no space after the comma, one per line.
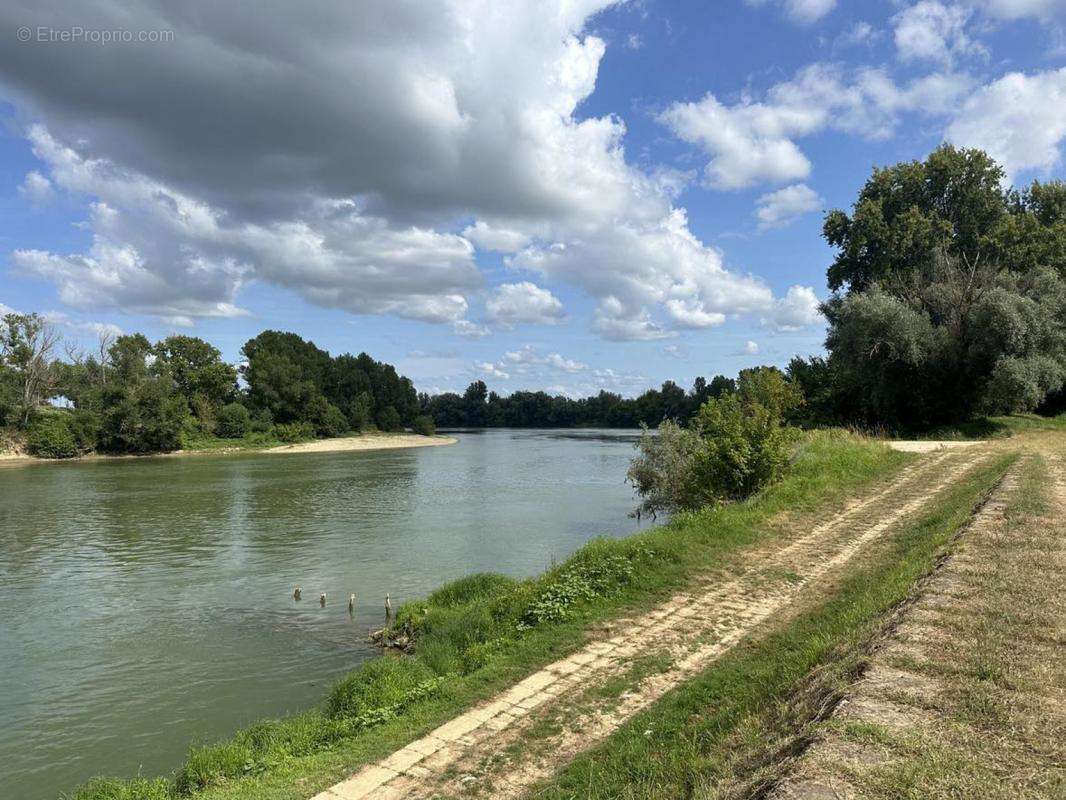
(423,425)
(293,432)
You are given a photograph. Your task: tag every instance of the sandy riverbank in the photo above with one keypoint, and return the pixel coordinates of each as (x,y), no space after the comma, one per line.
(369,441)
(366,442)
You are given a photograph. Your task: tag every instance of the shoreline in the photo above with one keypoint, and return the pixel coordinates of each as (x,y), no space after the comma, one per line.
(339,444)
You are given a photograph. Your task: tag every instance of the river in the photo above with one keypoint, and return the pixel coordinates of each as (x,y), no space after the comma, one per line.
(146,604)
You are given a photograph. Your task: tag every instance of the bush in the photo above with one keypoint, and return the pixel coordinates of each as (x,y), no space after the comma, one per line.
(735,444)
(233,422)
(389,419)
(326,419)
(661,472)
(294,432)
(744,448)
(49,436)
(424,425)
(147,417)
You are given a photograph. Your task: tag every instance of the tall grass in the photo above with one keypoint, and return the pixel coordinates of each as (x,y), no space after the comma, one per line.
(479,633)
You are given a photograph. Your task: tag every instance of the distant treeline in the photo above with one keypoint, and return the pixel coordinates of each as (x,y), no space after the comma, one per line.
(477,407)
(133,396)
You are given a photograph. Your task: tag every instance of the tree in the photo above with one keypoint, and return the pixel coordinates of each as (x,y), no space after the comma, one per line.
(234,421)
(950,295)
(27,345)
(196,368)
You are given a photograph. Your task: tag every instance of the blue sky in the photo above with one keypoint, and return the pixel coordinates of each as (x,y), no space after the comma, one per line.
(571,196)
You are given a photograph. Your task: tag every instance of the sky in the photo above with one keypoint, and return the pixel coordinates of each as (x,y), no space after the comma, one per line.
(570,195)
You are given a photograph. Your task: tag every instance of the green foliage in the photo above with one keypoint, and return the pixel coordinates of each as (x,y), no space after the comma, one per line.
(325,418)
(662,471)
(132,789)
(389,420)
(233,421)
(596,574)
(294,432)
(423,425)
(144,417)
(361,411)
(10,396)
(735,444)
(49,436)
(197,370)
(952,298)
(380,682)
(744,447)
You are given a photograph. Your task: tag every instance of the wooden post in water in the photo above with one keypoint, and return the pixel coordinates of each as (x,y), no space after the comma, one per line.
(388,607)
(351,603)
(296,593)
(322,599)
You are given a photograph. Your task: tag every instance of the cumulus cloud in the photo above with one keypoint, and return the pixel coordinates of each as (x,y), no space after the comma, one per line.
(491,237)
(523,303)
(37,188)
(750,348)
(280,166)
(933,31)
(753,140)
(802,11)
(798,309)
(1019,119)
(777,209)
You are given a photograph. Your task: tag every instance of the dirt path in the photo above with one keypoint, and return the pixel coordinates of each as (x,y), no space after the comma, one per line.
(966,698)
(501,747)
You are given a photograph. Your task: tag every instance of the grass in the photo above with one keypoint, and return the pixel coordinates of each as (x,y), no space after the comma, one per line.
(723,733)
(481,633)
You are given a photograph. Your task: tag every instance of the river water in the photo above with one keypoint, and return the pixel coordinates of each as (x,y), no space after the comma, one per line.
(145,604)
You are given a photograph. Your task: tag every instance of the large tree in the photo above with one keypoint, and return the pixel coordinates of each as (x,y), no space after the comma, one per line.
(950,294)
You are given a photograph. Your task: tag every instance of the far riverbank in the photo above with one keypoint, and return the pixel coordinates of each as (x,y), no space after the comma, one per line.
(362,442)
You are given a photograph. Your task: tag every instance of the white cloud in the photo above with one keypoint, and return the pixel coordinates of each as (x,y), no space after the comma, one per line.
(1018,9)
(491,370)
(1019,119)
(752,141)
(777,209)
(490,237)
(37,188)
(933,31)
(861,33)
(468,329)
(802,11)
(798,309)
(750,348)
(523,303)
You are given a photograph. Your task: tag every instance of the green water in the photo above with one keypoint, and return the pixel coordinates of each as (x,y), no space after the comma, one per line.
(146,604)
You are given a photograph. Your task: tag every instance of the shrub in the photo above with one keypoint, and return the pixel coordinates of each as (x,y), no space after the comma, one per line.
(234,421)
(661,472)
(294,432)
(744,447)
(326,419)
(49,436)
(424,425)
(735,444)
(389,419)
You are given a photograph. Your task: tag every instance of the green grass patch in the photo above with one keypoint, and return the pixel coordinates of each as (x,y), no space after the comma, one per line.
(477,635)
(730,725)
